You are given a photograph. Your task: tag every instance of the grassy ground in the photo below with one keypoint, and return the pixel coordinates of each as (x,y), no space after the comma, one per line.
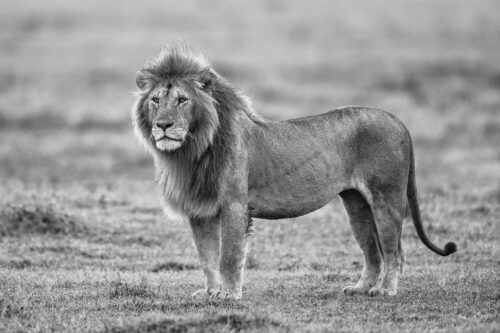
(83,244)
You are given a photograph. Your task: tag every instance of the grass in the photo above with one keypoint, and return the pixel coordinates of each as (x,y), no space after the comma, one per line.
(232,322)
(34,218)
(83,243)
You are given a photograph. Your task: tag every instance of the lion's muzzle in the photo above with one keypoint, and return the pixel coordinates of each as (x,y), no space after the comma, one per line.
(167,136)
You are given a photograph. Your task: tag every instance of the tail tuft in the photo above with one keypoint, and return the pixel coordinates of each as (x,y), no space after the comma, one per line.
(450,248)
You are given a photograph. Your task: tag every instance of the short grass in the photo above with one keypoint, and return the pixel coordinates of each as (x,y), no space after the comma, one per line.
(83,243)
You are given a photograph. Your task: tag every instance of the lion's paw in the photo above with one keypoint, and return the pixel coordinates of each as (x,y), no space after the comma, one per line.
(352,290)
(222,295)
(381,291)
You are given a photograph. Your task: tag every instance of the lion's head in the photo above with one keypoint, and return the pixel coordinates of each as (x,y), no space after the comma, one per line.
(175,109)
(184,115)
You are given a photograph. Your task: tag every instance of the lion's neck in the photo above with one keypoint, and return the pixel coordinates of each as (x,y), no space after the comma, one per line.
(178,184)
(194,185)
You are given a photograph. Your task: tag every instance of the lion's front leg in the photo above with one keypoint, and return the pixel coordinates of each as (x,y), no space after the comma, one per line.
(233,219)
(206,234)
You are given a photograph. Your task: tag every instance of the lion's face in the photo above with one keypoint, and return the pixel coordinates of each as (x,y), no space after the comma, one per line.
(176,113)
(171,113)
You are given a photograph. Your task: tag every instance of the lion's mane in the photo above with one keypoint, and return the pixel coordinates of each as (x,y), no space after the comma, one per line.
(191,178)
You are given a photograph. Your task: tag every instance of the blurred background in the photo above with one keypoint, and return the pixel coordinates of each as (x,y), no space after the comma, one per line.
(67,72)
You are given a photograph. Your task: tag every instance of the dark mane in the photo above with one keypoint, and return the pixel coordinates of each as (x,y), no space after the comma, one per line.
(175,61)
(191,178)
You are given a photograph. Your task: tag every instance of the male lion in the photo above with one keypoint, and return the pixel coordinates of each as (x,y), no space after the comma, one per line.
(219,164)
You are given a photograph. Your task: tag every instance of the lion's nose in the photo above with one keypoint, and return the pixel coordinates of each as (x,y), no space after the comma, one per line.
(164,124)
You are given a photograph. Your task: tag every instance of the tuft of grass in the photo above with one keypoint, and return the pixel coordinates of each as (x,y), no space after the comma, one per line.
(35,218)
(9,309)
(231,322)
(120,288)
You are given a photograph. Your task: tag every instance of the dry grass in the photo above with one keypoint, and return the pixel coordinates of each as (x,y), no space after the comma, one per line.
(83,243)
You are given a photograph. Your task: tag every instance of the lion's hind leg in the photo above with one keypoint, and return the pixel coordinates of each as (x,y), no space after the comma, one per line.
(388,211)
(365,232)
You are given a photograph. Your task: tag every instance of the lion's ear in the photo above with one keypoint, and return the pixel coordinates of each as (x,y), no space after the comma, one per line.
(140,80)
(206,85)
(207,80)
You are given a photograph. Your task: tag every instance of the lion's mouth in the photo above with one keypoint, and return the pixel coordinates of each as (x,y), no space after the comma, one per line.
(169,138)
(168,143)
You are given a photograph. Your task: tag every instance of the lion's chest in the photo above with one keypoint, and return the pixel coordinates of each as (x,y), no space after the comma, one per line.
(187,192)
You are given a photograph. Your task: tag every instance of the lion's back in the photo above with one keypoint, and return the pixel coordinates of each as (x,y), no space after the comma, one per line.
(344,118)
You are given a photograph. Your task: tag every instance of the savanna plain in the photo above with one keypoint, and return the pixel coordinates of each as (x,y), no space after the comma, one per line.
(84,245)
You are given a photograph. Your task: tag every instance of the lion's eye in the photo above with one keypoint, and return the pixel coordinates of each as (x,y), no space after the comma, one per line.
(155,100)
(181,99)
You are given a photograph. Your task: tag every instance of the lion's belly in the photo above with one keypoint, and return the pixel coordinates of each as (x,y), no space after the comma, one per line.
(287,205)
(294,188)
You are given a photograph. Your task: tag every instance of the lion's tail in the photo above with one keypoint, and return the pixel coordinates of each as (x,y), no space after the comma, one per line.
(411,193)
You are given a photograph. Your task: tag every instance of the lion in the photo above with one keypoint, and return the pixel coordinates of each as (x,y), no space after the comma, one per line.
(219,164)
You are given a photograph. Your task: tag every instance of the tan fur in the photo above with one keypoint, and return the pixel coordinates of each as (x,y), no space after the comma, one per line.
(219,164)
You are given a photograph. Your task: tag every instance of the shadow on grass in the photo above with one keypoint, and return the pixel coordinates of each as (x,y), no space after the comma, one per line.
(173,266)
(232,322)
